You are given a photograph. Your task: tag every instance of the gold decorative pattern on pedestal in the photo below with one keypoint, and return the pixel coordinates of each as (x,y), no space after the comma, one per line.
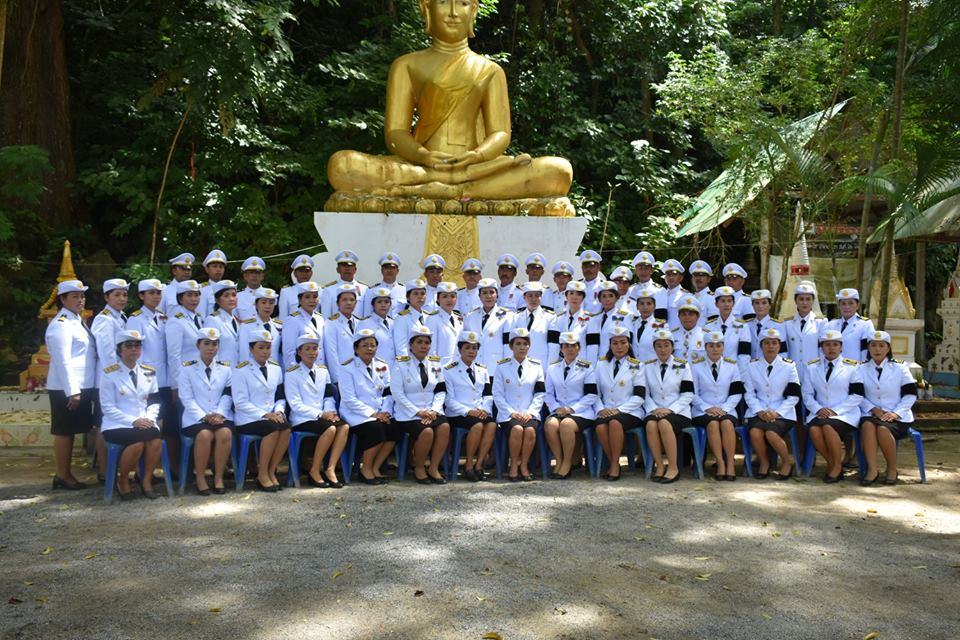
(456,238)
(560,207)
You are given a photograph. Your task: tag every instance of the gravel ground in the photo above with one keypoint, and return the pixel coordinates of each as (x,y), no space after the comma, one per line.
(574,559)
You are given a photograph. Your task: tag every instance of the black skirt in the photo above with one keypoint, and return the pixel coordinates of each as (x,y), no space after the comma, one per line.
(318,426)
(677,421)
(627,420)
(414,428)
(130,435)
(370,434)
(532,423)
(842,428)
(582,423)
(899,430)
(467,422)
(780,426)
(704,420)
(261,428)
(70,422)
(193,430)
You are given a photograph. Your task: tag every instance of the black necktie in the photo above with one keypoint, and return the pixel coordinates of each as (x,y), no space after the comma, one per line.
(643,325)
(829,370)
(470,375)
(759,327)
(529,320)
(313,321)
(879,371)
(350,324)
(123,316)
(486,317)
(133,378)
(769,369)
(723,329)
(566,370)
(802,324)
(313,375)
(423,376)
(663,369)
(263,370)
(233,323)
(266,326)
(207,371)
(714,367)
(569,322)
(843,327)
(196,321)
(616,368)
(603,320)
(453,322)
(519,372)
(370,372)
(386,323)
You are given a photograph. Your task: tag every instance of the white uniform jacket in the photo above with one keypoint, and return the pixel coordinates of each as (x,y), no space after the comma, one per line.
(328,295)
(308,397)
(518,388)
(843,392)
(151,325)
(599,328)
(73,354)
(674,391)
(409,394)
(724,392)
(397,293)
(643,330)
(856,334)
(182,332)
(708,305)
(255,396)
(467,300)
(229,327)
(294,326)
(732,329)
(772,386)
(364,390)
(624,391)
(446,329)
(494,334)
(168,299)
(510,297)
(383,327)
(251,325)
(201,395)
(574,323)
(246,303)
(688,345)
(402,325)
(543,342)
(890,389)
(105,326)
(803,344)
(590,303)
(206,299)
(668,301)
(123,401)
(337,343)
(750,335)
(463,394)
(577,390)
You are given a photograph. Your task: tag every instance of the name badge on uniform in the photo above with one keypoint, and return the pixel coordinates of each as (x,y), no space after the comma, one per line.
(622,383)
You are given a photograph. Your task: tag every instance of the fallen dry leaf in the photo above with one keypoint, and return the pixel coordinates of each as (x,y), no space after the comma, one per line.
(702,558)
(40,599)
(90,556)
(246,497)
(337,574)
(14,601)
(215,609)
(492,635)
(872,635)
(919,566)
(418,593)
(47,551)
(388,533)
(703,577)
(871,510)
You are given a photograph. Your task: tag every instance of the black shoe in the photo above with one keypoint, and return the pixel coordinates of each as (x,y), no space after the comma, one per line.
(320,484)
(892,481)
(866,483)
(787,476)
(424,480)
(471,475)
(667,480)
(719,477)
(732,478)
(514,478)
(149,493)
(219,490)
(101,479)
(612,478)
(852,464)
(828,479)
(333,484)
(657,478)
(555,476)
(203,492)
(129,495)
(366,480)
(381,479)
(267,488)
(482,475)
(60,483)
(762,476)
(440,480)
(527,478)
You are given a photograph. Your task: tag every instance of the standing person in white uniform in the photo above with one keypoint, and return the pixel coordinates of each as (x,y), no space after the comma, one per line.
(252,271)
(180,269)
(222,319)
(215,264)
(389,271)
(492,322)
(301,270)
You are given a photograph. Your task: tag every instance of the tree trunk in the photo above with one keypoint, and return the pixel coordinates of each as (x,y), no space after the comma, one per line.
(35,108)
(865,212)
(897,121)
(777,18)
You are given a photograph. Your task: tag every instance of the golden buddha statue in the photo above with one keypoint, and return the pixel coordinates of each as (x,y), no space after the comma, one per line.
(455,150)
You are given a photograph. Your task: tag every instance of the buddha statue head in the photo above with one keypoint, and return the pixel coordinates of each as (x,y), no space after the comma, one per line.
(449,20)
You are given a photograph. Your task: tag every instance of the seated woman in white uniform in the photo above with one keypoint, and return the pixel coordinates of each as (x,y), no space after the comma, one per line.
(130,399)
(418,390)
(717,389)
(887,407)
(669,387)
(518,391)
(772,393)
(571,396)
(621,382)
(469,404)
(205,393)
(366,404)
(313,409)
(259,407)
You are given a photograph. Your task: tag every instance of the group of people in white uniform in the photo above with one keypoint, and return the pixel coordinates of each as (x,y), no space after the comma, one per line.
(512,365)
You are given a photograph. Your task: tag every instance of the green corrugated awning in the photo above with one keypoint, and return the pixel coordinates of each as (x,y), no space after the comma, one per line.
(733,189)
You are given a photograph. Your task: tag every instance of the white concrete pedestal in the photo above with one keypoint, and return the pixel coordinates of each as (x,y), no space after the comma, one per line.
(903,337)
(372,234)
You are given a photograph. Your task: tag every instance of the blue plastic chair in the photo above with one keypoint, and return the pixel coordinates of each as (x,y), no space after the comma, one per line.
(698,436)
(240,467)
(296,441)
(453,465)
(744,432)
(113,461)
(639,435)
(186,460)
(540,457)
(917,438)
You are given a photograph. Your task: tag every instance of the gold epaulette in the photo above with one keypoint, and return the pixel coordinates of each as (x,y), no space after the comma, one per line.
(335,316)
(584,363)
(788,360)
(650,361)
(136,313)
(243,364)
(178,315)
(295,313)
(273,362)
(111,368)
(504,360)
(698,360)
(680,360)
(814,361)
(402,358)
(632,360)
(849,361)
(330,284)
(433,358)
(248,321)
(405,312)
(223,363)
(292,368)
(105,312)
(347,361)
(189,363)
(146,367)
(730,360)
